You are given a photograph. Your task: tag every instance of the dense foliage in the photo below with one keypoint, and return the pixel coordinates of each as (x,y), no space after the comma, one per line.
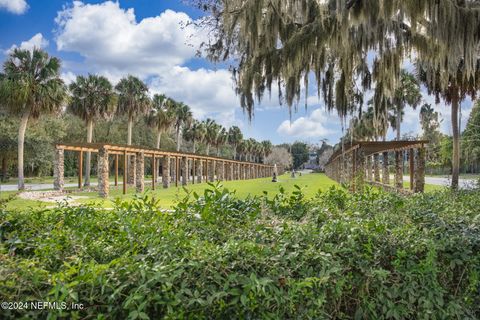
(371,255)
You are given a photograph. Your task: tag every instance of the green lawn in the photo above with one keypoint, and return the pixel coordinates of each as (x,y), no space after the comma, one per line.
(167,197)
(311,184)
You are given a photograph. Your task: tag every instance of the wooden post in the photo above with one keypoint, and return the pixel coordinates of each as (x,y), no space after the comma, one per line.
(411,160)
(116,170)
(125,165)
(80,169)
(154,171)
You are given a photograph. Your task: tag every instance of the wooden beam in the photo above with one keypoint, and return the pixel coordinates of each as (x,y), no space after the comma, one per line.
(80,169)
(411,160)
(116,170)
(125,165)
(154,172)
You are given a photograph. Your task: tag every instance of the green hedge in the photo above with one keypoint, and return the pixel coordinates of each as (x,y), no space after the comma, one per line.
(364,256)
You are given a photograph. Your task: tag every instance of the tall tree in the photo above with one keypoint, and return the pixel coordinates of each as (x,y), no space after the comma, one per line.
(267,149)
(234,137)
(212,131)
(92,98)
(133,101)
(161,116)
(471,139)
(407,92)
(330,40)
(31,86)
(429,120)
(222,139)
(299,152)
(195,133)
(183,118)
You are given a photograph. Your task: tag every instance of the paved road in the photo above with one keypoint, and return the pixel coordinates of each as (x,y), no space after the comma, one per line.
(441,181)
(42,186)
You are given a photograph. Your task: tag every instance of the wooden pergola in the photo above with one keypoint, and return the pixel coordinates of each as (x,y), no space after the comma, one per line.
(369,162)
(176,167)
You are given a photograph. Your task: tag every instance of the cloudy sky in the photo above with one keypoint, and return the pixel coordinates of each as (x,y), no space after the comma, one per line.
(154,40)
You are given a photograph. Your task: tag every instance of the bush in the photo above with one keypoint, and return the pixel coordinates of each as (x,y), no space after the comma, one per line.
(341,255)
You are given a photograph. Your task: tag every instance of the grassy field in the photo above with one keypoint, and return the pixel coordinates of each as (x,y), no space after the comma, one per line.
(311,184)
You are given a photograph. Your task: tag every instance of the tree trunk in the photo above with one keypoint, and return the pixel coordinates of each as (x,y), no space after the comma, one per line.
(234,152)
(178,139)
(130,127)
(159,138)
(456,143)
(218,151)
(194,146)
(88,158)
(208,149)
(21,144)
(399,121)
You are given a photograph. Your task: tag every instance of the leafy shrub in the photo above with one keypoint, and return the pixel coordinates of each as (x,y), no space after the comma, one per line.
(340,255)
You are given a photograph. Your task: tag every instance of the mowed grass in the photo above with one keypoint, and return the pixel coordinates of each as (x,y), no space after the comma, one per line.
(311,184)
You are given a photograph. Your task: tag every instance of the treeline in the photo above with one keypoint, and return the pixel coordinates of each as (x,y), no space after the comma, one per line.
(33,95)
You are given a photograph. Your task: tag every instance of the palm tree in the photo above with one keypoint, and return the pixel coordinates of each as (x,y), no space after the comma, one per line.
(31,86)
(195,133)
(183,117)
(242,149)
(222,138)
(267,149)
(406,93)
(92,99)
(161,116)
(251,145)
(212,131)
(133,101)
(234,137)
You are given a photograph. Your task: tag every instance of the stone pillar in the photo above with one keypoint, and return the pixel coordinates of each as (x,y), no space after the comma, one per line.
(103,174)
(399,169)
(166,172)
(376,167)
(385,172)
(232,177)
(420,170)
(358,160)
(369,168)
(140,174)
(211,171)
(132,171)
(222,170)
(199,170)
(59,169)
(185,171)
(173,170)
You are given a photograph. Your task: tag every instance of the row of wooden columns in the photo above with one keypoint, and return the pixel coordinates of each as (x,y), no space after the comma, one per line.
(355,168)
(174,169)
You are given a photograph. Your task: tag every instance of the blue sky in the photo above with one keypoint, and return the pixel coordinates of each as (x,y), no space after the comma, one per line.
(153,40)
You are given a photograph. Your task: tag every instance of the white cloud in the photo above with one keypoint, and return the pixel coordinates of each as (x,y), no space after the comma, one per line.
(207,92)
(14,6)
(313,126)
(37,41)
(68,77)
(111,39)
